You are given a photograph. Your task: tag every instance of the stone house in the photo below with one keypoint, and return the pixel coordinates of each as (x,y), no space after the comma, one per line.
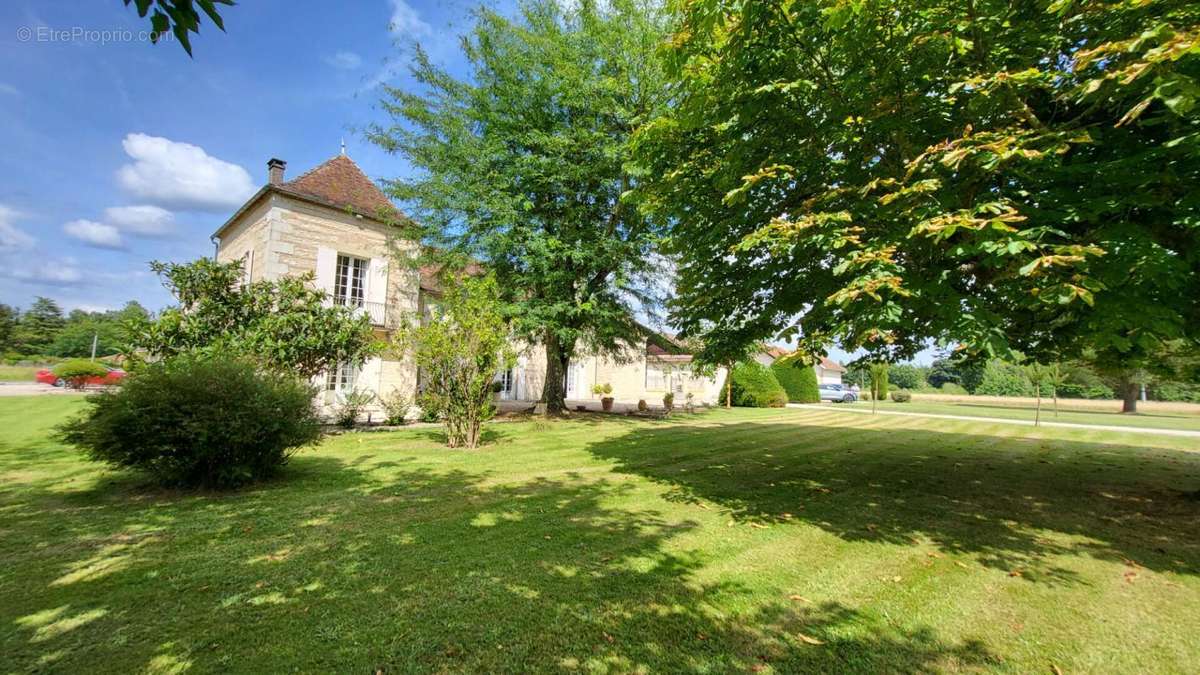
(336,224)
(828,371)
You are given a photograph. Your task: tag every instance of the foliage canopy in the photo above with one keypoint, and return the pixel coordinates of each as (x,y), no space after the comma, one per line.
(284,325)
(1004,176)
(525,166)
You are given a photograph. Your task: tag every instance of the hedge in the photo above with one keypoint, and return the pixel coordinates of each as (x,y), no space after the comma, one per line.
(797,378)
(755,386)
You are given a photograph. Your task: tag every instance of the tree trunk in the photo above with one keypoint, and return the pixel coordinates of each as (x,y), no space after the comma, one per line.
(553,390)
(1129,396)
(1037,413)
(729,387)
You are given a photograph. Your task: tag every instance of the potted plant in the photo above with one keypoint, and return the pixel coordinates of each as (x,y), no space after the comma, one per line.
(604,391)
(669,401)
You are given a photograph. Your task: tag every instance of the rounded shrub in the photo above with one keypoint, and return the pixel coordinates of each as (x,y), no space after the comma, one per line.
(198,422)
(755,386)
(797,378)
(77,372)
(952,388)
(901,396)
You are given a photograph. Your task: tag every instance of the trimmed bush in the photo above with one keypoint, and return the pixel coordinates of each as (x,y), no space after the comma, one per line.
(797,378)
(1072,390)
(879,381)
(77,372)
(1001,378)
(952,388)
(755,386)
(194,422)
(901,396)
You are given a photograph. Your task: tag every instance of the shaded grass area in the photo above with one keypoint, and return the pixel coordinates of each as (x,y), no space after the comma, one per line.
(745,541)
(1025,411)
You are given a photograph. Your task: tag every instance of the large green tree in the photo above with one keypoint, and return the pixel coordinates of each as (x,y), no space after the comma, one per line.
(525,166)
(9,317)
(1005,176)
(39,326)
(282,325)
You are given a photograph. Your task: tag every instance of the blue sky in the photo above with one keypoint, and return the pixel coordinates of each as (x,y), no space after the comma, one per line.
(119,152)
(123,152)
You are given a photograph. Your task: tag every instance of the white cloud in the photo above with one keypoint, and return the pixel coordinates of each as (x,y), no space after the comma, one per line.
(12,238)
(181,176)
(94,234)
(406,20)
(344,60)
(142,220)
(64,272)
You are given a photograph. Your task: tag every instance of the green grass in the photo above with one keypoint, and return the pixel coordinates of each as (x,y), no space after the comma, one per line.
(18,373)
(727,542)
(1160,420)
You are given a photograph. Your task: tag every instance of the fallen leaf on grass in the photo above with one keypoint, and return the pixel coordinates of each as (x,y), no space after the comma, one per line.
(609,638)
(759,526)
(1055,669)
(702,505)
(962,564)
(1014,573)
(809,639)
(896,579)
(799,598)
(1129,576)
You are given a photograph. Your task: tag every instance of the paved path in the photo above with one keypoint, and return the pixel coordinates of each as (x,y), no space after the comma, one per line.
(36,388)
(1000,420)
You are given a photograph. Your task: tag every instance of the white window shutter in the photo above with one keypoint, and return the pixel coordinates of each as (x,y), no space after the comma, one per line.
(377,280)
(326,267)
(248,267)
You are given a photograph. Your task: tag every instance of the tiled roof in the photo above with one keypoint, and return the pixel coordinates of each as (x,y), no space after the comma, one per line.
(775,352)
(430,273)
(340,183)
(831,365)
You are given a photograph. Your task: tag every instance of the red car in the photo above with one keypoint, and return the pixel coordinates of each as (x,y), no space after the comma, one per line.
(113,376)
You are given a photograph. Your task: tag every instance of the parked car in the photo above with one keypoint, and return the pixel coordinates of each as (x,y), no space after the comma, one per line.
(836,393)
(113,376)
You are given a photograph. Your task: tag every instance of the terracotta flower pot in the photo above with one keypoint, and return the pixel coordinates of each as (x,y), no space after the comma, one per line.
(606,403)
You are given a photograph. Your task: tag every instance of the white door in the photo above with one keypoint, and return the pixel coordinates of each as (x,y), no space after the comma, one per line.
(572,381)
(507,383)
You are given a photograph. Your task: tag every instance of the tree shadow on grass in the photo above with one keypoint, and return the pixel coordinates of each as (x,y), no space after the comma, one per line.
(383,566)
(1000,500)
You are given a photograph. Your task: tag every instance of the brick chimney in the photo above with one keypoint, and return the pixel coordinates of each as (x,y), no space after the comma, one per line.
(275,168)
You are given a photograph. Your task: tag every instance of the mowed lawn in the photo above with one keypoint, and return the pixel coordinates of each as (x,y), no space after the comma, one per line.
(747,541)
(1019,409)
(18,373)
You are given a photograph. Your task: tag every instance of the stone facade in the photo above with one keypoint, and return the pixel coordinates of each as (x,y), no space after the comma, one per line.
(302,227)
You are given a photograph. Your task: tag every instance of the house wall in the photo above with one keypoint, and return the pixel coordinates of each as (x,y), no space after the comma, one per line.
(285,237)
(627,375)
(249,234)
(827,376)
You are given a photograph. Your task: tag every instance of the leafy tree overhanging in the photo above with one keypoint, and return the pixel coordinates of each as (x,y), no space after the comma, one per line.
(1004,176)
(525,167)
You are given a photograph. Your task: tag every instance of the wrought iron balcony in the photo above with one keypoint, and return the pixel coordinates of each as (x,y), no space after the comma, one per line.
(377,311)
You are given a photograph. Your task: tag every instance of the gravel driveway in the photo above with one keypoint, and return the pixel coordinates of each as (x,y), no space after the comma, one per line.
(35,388)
